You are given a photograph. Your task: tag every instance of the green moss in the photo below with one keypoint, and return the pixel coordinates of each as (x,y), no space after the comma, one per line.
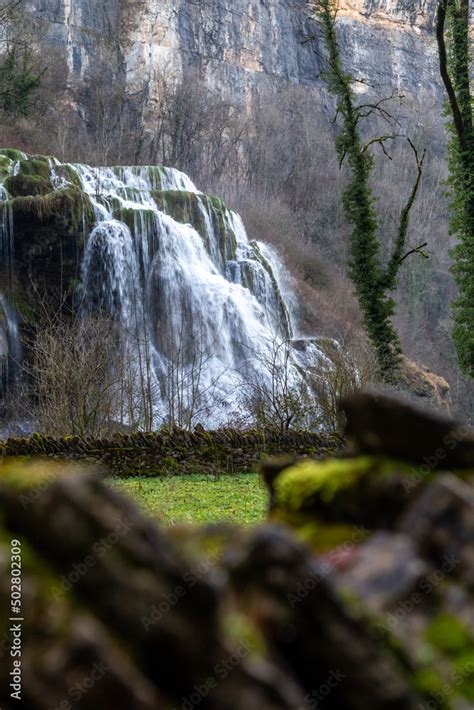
(464,663)
(66,172)
(12,154)
(463,666)
(68,205)
(21,476)
(179,204)
(450,635)
(228,239)
(240,632)
(23,185)
(36,167)
(298,484)
(134,218)
(268,268)
(451,641)
(168,464)
(34,177)
(428,682)
(155,176)
(215,202)
(320,536)
(186,208)
(5,167)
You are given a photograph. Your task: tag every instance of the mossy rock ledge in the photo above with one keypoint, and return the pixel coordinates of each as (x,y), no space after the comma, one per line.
(307,610)
(50,224)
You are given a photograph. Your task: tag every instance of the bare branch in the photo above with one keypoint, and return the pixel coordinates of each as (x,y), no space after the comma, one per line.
(381,140)
(389,276)
(416,250)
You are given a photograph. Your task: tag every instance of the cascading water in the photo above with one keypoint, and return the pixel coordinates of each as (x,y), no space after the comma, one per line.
(10,347)
(208,300)
(200,306)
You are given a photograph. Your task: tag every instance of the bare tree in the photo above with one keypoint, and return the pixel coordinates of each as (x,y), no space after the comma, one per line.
(139,387)
(193,128)
(276,394)
(191,384)
(72,376)
(353,367)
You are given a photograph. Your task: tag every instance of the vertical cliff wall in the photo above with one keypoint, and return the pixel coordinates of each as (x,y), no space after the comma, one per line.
(242,44)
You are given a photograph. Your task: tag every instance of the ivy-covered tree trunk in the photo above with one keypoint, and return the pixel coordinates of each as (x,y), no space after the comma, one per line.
(374,281)
(456,66)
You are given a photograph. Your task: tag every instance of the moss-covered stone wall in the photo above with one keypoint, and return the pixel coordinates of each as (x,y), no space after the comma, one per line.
(162,453)
(359,601)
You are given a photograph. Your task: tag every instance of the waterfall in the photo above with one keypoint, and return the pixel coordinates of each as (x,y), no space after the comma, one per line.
(10,348)
(178,267)
(203,311)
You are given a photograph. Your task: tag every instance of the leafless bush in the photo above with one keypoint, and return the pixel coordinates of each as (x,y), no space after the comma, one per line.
(106,111)
(72,376)
(137,389)
(286,392)
(192,378)
(275,395)
(353,367)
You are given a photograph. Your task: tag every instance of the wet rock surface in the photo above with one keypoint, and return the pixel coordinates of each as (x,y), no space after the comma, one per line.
(310,610)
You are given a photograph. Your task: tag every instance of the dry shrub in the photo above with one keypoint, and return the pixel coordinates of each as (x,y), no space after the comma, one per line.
(73,378)
(354,367)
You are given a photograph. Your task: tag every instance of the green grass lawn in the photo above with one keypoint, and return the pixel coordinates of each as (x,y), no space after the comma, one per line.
(196,498)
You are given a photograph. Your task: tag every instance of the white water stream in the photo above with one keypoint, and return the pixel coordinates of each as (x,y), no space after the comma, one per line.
(200,305)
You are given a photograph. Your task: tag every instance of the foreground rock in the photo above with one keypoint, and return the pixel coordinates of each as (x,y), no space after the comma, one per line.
(358,594)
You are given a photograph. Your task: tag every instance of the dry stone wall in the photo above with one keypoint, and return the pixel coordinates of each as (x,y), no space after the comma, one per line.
(358,600)
(176,452)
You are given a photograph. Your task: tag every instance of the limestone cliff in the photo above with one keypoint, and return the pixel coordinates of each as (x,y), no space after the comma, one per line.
(240,44)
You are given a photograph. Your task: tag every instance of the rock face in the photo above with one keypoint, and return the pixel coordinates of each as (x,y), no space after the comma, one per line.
(426,385)
(242,45)
(335,609)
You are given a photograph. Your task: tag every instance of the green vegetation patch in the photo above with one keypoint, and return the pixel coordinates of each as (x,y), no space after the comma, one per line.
(12,154)
(5,166)
(187,208)
(299,484)
(448,634)
(200,498)
(20,474)
(181,205)
(68,205)
(136,220)
(36,167)
(23,185)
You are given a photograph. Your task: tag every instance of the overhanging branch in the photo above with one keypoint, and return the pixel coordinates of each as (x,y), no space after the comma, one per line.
(389,276)
(415,250)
